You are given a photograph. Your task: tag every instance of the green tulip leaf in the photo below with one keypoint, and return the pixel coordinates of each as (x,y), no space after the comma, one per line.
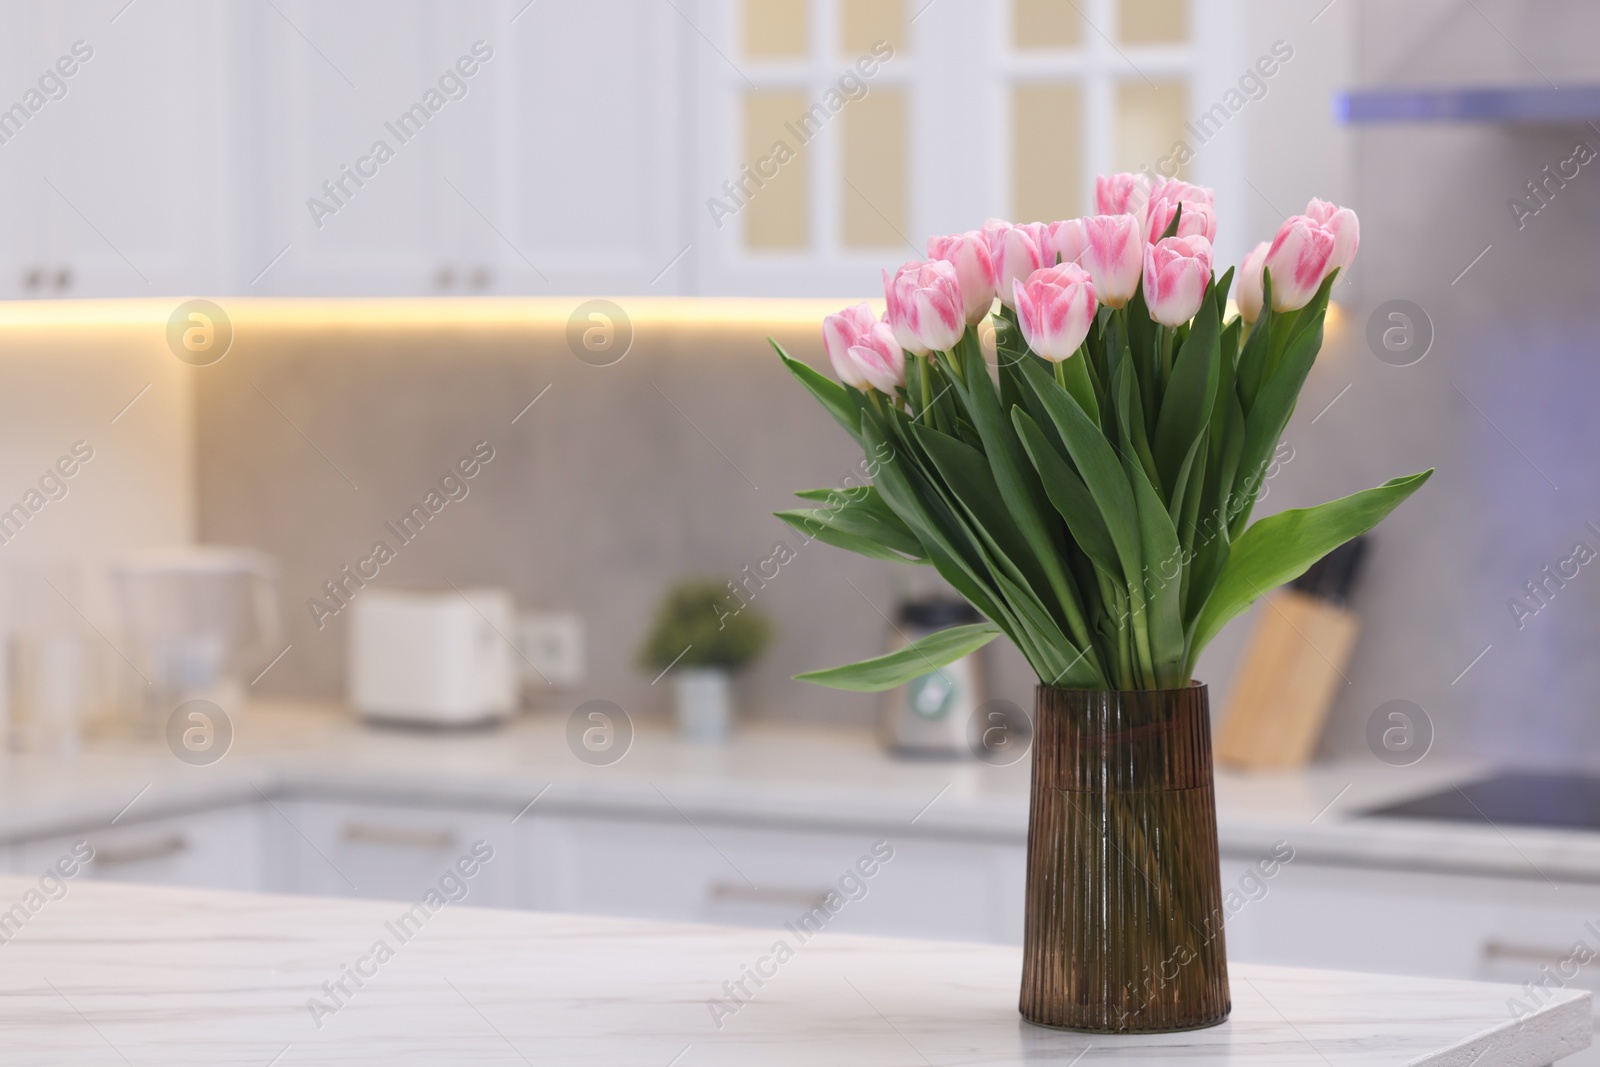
(897,668)
(842,402)
(1280,547)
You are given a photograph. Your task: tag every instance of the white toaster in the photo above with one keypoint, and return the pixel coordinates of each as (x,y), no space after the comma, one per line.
(433,657)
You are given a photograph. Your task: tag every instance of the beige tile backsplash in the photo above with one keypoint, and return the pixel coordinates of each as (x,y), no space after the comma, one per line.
(617,481)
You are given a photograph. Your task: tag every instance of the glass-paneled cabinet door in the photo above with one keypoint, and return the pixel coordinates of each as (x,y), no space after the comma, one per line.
(804,182)
(837,135)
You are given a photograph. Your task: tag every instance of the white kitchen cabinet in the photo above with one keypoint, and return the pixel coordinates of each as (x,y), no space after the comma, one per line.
(550,168)
(23,45)
(329,84)
(725,872)
(1510,930)
(582,163)
(114,174)
(1412,922)
(217,849)
(390,851)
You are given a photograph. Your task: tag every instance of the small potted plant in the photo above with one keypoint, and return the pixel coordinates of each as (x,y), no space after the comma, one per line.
(703,636)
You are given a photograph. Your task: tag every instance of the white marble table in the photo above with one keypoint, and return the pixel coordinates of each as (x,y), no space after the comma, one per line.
(126,974)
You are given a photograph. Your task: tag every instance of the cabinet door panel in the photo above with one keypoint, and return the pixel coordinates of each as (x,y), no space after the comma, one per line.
(30,43)
(133,166)
(589,153)
(393,852)
(713,872)
(220,849)
(1408,922)
(363,116)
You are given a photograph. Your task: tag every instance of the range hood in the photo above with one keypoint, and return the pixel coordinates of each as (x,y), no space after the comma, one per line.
(1533,105)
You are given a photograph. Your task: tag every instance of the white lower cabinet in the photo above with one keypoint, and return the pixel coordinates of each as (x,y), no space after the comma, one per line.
(219,849)
(392,851)
(727,872)
(1508,930)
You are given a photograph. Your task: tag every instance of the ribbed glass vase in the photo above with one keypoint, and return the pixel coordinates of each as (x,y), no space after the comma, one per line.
(1123,932)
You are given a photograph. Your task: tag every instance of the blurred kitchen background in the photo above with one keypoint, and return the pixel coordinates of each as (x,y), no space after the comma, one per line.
(384,317)
(584,158)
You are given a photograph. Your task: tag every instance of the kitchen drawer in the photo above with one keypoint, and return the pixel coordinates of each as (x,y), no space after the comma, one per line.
(1349,918)
(1412,922)
(219,849)
(727,872)
(392,851)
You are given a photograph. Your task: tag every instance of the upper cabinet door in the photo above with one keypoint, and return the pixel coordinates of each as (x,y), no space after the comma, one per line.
(114,148)
(486,146)
(574,185)
(360,114)
(24,47)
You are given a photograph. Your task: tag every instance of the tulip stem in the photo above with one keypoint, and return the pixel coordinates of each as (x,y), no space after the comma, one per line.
(927,390)
(1061,373)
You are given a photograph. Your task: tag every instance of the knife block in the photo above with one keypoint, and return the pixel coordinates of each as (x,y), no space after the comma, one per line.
(1291,672)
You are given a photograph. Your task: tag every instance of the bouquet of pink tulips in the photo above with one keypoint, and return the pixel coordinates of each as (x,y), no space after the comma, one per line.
(1090,494)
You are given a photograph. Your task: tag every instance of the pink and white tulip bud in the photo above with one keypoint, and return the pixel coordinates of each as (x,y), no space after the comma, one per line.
(1249,292)
(841,330)
(1067,241)
(1300,257)
(1346,230)
(863,350)
(1199,218)
(1017,251)
(1176,273)
(969,254)
(1055,308)
(1114,256)
(1122,194)
(925,306)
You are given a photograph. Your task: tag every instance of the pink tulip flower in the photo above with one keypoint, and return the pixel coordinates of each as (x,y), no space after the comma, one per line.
(1249,293)
(1176,189)
(1055,308)
(1122,194)
(1017,251)
(1114,256)
(1346,230)
(863,350)
(1068,239)
(1299,258)
(1199,215)
(925,306)
(969,254)
(1176,273)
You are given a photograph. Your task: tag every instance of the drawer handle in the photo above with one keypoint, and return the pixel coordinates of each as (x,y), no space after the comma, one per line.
(367,833)
(744,894)
(1503,950)
(152,849)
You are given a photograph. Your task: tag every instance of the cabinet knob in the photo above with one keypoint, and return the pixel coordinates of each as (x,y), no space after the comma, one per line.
(32,278)
(480,278)
(444,279)
(64,278)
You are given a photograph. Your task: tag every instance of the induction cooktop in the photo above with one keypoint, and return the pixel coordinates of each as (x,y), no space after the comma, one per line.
(1567,801)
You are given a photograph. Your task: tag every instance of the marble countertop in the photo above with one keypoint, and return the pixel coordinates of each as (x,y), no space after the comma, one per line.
(812,777)
(122,973)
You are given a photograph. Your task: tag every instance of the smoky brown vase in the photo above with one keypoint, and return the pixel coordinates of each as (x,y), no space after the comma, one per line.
(1123,931)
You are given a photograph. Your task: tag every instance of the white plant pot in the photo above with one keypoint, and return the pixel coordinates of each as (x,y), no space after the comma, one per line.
(703,700)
